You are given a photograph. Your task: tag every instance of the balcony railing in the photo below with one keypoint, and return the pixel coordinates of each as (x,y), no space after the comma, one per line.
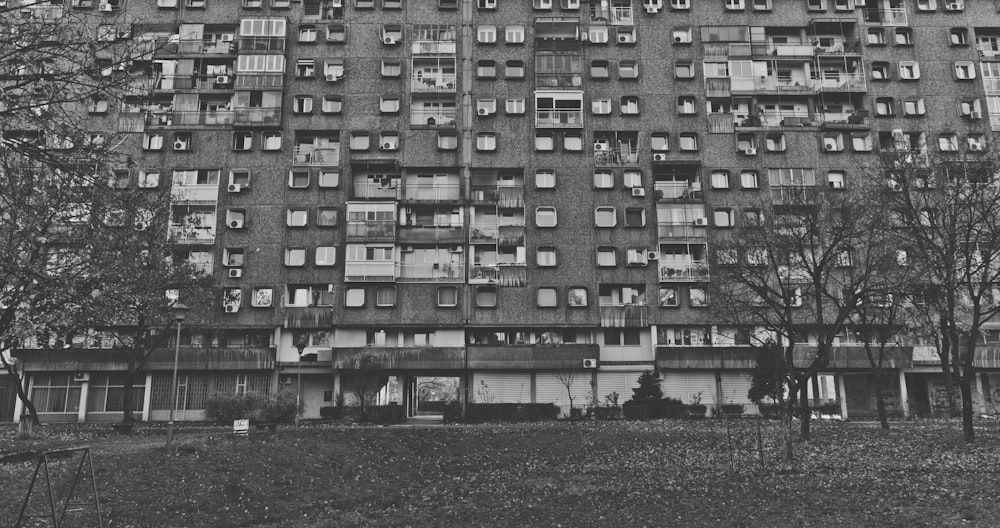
(887,16)
(771,84)
(186,234)
(484,273)
(431,272)
(442,234)
(678,191)
(857,119)
(432,118)
(511,235)
(683,271)
(369,271)
(558,80)
(717,87)
(616,157)
(194,193)
(559,118)
(262,44)
(315,156)
(196,82)
(624,315)
(166,46)
(257,116)
(374,230)
(793,195)
(191,118)
(844,82)
(680,230)
(431,47)
(260,80)
(432,82)
(432,193)
(377,191)
(484,233)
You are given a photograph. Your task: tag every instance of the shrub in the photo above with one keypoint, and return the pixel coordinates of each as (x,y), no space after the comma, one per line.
(696,410)
(331,412)
(276,408)
(728,409)
(575,414)
(377,414)
(510,412)
(226,408)
(635,411)
(452,412)
(609,412)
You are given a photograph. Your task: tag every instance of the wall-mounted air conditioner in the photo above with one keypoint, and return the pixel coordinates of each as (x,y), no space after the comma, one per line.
(638,191)
(236,273)
(235,188)
(590,363)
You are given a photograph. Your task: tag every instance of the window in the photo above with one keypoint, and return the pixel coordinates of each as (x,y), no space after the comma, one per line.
(576,297)
(295,256)
(447,296)
(270,140)
(720,180)
(332,104)
(884,106)
(545,179)
(486,296)
(909,70)
(326,256)
(600,69)
(816,5)
(391,68)
(298,178)
(514,106)
(601,106)
(607,257)
(686,105)
(965,70)
(958,36)
(360,140)
(598,34)
(354,297)
(486,141)
(861,142)
(486,69)
(486,34)
(486,4)
(388,104)
(385,296)
(328,178)
(659,141)
(149,179)
(914,106)
(514,69)
(326,217)
(775,142)
(545,257)
(752,217)
(750,179)
(307,34)
(876,36)
(547,298)
(680,4)
(723,217)
(302,104)
(635,217)
(242,140)
(514,34)
(572,141)
(668,297)
(447,140)
(631,179)
(546,217)
(926,5)
(628,69)
(305,68)
(734,5)
(604,179)
(152,141)
(605,217)
(336,34)
(544,141)
(688,141)
(698,297)
(880,71)
(836,179)
(948,142)
(297,218)
(903,36)
(684,70)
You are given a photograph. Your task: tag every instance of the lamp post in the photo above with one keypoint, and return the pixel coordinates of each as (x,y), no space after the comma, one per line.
(179,312)
(300,346)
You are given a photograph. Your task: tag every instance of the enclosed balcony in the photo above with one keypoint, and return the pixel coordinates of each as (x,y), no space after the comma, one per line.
(682,270)
(623,155)
(449,271)
(445,190)
(558,109)
(309,155)
(404,358)
(678,191)
(257,115)
(886,16)
(369,271)
(433,74)
(568,356)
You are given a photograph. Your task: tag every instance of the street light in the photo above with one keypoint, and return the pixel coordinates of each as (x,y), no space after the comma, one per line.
(300,345)
(179,312)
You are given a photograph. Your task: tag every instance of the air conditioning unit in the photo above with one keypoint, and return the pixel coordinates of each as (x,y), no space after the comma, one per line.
(701,222)
(652,255)
(236,224)
(652,10)
(456,249)
(953,6)
(141,226)
(235,188)
(388,146)
(389,41)
(406,249)
(483,111)
(829,147)
(180,144)
(659,156)
(623,39)
(750,151)
(638,191)
(223,79)
(232,308)
(285,380)
(975,114)
(600,146)
(236,273)
(975,146)
(228,37)
(81,376)
(589,363)
(104,6)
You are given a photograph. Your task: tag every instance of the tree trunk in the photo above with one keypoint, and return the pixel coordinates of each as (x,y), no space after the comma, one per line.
(786,430)
(21,395)
(946,349)
(880,400)
(804,409)
(965,384)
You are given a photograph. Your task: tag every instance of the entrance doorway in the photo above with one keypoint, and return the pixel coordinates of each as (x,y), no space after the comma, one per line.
(430,394)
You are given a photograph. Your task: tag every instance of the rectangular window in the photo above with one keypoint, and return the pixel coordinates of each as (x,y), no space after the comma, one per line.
(447,296)
(326,255)
(547,297)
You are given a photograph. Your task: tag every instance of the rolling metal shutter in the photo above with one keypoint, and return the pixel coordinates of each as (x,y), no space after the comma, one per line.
(620,382)
(501,387)
(548,389)
(685,385)
(735,386)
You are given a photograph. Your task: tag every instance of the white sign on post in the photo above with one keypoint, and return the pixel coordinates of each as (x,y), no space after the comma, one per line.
(241,427)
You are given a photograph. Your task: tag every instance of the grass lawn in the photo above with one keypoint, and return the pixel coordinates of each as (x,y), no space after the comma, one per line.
(662,473)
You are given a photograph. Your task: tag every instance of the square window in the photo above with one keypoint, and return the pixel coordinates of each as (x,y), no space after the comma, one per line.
(909,70)
(514,106)
(688,141)
(836,179)
(354,297)
(600,69)
(601,106)
(514,69)
(486,141)
(270,141)
(958,36)
(447,296)
(297,218)
(607,257)
(545,257)
(545,179)
(635,217)
(307,34)
(903,36)
(486,296)
(149,179)
(876,36)
(880,71)
(332,104)
(546,217)
(447,140)
(360,140)
(262,297)
(486,69)
(486,34)
(514,34)
(385,296)
(686,105)
(298,178)
(604,179)
(388,104)
(659,141)
(965,70)
(302,104)
(605,217)
(573,141)
(328,178)
(326,217)
(391,68)
(630,105)
(547,298)
(295,256)
(684,70)
(698,297)
(242,140)
(326,256)
(750,180)
(628,69)
(668,297)
(631,179)
(576,297)
(723,217)
(720,180)
(544,141)
(305,68)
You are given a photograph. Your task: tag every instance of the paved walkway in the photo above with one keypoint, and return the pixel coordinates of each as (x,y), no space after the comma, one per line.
(423,420)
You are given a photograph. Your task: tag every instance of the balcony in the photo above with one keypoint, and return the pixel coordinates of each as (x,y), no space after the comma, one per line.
(432,193)
(191,118)
(372,231)
(547,80)
(188,234)
(558,45)
(772,83)
(431,272)
(511,235)
(793,194)
(310,156)
(717,87)
(252,81)
(167,46)
(886,16)
(257,116)
(683,192)
(559,118)
(377,191)
(196,82)
(484,234)
(683,271)
(160,359)
(844,82)
(706,357)
(250,45)
(542,357)
(624,315)
(856,120)
(369,271)
(429,82)
(446,235)
(403,358)
(616,157)
(677,230)
(724,123)
(431,118)
(433,47)
(194,193)
(484,274)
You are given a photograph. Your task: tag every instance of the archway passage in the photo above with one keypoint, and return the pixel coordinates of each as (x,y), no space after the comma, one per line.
(432,393)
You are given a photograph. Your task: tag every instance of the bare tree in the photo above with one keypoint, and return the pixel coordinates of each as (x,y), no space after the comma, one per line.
(567,378)
(947,206)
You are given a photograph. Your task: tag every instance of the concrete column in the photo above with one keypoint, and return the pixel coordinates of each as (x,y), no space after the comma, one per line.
(981,393)
(843,395)
(904,395)
(336,385)
(534,387)
(147,398)
(81,413)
